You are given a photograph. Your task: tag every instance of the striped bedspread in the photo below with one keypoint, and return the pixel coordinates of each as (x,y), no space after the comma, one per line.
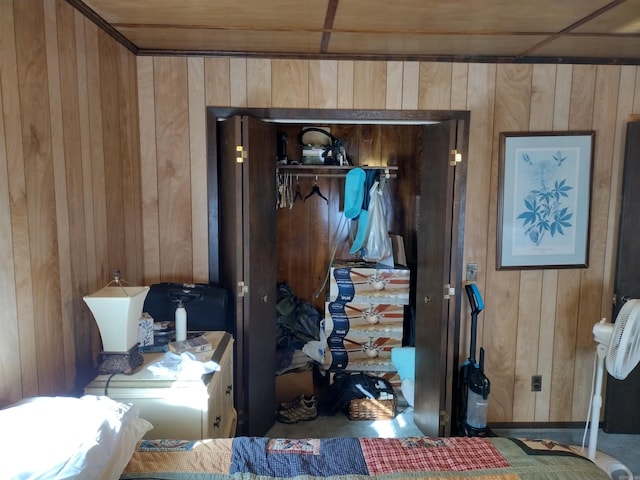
(358,458)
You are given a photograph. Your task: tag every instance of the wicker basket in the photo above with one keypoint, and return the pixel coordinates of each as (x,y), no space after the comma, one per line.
(372,409)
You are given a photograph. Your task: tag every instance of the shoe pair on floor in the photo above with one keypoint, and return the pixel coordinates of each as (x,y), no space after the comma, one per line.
(302,408)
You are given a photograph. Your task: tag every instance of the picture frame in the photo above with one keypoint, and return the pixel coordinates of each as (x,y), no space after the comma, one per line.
(544,200)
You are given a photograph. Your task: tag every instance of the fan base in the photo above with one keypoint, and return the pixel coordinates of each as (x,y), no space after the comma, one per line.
(610,465)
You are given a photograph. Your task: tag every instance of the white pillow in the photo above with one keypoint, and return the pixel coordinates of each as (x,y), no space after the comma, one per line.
(131,434)
(62,437)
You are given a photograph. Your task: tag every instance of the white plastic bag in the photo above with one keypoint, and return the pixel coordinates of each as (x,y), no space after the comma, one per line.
(181,365)
(377,246)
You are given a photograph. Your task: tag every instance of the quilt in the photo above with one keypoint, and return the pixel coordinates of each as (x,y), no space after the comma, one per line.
(427,458)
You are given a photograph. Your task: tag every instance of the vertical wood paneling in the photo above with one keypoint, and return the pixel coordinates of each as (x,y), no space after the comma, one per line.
(96,192)
(64,141)
(435,86)
(238,82)
(323,83)
(531,299)
(513,94)
(41,204)
(149,169)
(606,93)
(10,381)
(113,168)
(410,82)
(198,161)
(394,86)
(290,83)
(174,172)
(346,74)
(217,82)
(89,117)
(568,298)
(459,79)
(52,150)
(23,339)
(259,82)
(370,82)
(129,154)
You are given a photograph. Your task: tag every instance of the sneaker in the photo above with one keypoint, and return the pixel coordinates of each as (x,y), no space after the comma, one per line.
(295,402)
(305,409)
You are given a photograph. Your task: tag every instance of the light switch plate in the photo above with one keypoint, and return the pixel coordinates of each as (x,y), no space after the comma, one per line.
(472,272)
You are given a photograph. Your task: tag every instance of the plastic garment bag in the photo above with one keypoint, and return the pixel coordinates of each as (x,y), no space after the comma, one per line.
(377,246)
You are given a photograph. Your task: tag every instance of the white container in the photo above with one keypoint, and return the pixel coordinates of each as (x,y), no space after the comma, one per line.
(181,323)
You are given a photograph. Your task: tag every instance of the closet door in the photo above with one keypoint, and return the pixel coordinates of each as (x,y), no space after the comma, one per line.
(621,407)
(247,226)
(436,342)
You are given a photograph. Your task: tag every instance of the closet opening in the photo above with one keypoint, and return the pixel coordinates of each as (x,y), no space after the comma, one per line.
(291,238)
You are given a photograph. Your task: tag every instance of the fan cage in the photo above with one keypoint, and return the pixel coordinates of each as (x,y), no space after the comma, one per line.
(624,348)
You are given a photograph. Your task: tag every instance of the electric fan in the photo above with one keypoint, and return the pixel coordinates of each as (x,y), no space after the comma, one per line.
(619,345)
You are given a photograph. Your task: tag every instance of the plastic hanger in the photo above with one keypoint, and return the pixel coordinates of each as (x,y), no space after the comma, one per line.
(315,190)
(298,194)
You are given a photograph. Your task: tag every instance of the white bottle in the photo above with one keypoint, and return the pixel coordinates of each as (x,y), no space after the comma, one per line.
(181,323)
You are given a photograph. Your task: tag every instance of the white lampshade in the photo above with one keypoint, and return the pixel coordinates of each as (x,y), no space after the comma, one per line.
(117,310)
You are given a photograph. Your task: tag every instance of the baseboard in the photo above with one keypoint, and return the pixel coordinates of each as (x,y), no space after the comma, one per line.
(533,425)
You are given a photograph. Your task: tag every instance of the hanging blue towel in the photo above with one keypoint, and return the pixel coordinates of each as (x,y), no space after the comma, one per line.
(354,192)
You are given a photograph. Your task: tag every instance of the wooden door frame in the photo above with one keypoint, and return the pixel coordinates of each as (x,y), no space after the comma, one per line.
(358,117)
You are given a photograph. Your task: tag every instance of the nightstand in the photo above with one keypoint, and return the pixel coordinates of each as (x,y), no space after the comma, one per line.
(179,408)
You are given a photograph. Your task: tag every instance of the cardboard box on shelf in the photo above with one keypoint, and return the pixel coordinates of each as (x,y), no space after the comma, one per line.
(361,353)
(291,384)
(361,282)
(379,320)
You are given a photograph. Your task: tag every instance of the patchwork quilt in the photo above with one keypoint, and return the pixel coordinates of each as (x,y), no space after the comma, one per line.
(427,458)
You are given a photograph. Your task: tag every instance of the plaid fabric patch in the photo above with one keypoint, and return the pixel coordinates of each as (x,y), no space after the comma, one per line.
(457,454)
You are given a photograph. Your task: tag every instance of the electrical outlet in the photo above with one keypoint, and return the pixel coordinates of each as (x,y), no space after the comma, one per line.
(472,272)
(536,383)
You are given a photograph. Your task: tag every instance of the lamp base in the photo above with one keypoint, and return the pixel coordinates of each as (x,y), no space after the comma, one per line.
(120,362)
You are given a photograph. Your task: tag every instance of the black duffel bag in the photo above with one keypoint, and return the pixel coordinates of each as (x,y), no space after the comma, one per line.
(207,305)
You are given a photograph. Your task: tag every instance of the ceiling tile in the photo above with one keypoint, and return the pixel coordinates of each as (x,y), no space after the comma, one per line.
(156,38)
(282,14)
(462,16)
(456,45)
(596,46)
(623,18)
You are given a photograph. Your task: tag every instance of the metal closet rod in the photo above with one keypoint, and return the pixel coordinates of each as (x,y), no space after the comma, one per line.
(387,172)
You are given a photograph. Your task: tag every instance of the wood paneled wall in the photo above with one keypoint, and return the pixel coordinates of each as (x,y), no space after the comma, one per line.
(70,202)
(535,322)
(70,209)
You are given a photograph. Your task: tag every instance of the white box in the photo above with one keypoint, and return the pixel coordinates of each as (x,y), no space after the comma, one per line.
(145,330)
(367,283)
(379,320)
(361,353)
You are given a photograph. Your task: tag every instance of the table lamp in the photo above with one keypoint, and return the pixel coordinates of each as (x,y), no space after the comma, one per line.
(117,308)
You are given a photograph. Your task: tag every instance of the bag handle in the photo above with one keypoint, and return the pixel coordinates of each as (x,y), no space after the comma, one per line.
(314,129)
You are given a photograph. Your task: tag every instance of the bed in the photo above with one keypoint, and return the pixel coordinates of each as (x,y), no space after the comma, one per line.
(94,437)
(358,458)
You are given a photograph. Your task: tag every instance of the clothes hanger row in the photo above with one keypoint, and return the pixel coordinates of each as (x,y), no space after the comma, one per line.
(287,196)
(338,172)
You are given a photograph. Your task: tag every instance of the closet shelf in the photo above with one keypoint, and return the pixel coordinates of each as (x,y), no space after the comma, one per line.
(389,171)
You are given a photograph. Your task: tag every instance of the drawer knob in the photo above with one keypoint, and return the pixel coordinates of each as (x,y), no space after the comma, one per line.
(218,421)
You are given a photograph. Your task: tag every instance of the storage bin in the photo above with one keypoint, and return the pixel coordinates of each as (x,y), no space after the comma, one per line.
(372,409)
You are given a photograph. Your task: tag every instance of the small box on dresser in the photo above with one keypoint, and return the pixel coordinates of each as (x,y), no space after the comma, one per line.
(178,407)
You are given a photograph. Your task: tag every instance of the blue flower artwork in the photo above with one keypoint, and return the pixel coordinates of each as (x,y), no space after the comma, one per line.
(544,209)
(544,203)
